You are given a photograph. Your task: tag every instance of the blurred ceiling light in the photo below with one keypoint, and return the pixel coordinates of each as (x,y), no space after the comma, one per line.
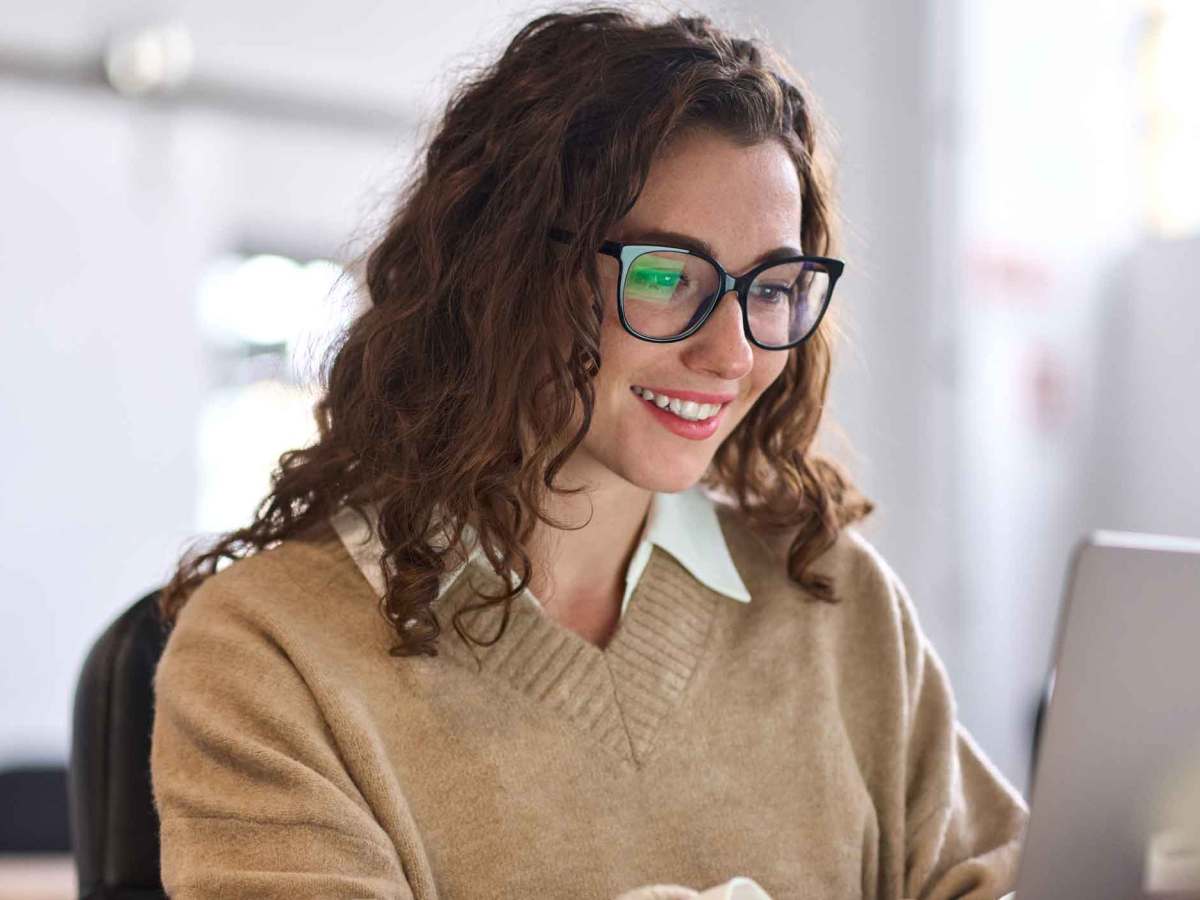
(151,60)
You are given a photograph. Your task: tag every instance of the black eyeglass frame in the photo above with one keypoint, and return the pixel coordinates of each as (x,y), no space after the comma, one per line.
(625,254)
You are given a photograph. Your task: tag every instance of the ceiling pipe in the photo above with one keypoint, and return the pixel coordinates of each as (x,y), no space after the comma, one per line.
(155,66)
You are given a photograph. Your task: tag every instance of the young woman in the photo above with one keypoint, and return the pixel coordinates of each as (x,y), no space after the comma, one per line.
(562,603)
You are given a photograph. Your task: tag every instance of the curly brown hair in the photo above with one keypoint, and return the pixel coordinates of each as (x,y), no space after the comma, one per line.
(455,388)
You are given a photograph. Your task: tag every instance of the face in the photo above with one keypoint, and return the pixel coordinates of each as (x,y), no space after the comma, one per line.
(744,202)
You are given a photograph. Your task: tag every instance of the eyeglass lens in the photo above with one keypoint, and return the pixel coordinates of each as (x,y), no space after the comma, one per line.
(666,292)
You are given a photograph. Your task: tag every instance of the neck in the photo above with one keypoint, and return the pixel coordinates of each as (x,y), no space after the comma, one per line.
(582,565)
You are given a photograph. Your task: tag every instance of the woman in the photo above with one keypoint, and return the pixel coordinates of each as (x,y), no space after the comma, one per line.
(595,360)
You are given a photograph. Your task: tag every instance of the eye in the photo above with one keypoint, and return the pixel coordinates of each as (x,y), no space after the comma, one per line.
(770,292)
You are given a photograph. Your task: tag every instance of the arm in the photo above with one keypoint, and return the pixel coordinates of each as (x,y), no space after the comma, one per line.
(251,792)
(964,822)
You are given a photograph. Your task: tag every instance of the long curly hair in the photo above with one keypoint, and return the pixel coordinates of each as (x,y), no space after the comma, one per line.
(454,390)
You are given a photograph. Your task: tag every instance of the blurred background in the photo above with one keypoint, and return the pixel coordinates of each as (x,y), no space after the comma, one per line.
(181,184)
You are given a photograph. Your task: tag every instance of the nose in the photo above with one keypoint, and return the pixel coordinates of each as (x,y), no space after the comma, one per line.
(721,345)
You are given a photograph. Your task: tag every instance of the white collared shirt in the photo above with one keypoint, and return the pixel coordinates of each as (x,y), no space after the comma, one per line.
(684,524)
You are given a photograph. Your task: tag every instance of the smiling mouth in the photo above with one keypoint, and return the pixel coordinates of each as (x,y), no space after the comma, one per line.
(687,410)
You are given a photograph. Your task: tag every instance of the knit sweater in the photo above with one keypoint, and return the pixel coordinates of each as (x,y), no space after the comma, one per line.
(811,746)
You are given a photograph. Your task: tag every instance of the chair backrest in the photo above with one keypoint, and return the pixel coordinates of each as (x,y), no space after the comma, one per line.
(114,825)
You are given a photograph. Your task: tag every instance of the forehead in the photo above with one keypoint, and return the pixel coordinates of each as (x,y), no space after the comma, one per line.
(742,200)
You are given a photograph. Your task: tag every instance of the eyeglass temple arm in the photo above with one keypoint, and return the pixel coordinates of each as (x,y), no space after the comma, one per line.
(611,248)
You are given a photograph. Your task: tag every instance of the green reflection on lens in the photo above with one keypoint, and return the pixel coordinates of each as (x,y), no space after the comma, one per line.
(654,277)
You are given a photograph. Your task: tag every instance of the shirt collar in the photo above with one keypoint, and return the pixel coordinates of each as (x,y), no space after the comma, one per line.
(684,524)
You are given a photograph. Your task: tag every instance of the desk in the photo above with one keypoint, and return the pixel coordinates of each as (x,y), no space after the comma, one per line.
(44,876)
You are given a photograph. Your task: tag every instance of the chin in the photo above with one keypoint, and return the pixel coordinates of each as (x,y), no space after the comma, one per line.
(669,479)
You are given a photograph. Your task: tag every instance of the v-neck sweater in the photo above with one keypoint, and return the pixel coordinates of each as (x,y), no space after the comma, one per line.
(811,746)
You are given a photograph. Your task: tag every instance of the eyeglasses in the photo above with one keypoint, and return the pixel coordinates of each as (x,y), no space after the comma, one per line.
(665,294)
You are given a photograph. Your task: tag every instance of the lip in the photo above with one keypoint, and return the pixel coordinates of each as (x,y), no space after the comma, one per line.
(693,431)
(697,396)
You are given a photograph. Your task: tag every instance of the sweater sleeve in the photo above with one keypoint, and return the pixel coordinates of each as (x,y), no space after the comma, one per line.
(964,822)
(252,796)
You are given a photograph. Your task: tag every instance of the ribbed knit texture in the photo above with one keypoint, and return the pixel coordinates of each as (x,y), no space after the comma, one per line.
(812,747)
(619,696)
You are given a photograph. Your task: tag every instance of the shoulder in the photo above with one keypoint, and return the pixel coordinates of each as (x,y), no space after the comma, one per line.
(871,596)
(851,561)
(858,567)
(302,589)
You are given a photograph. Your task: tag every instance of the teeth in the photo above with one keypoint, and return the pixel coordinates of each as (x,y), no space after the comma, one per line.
(685,409)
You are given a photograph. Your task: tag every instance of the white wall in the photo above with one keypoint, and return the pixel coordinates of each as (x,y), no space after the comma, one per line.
(1145,471)
(111,212)
(1050,207)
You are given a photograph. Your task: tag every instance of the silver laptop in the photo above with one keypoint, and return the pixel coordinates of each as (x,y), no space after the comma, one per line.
(1115,796)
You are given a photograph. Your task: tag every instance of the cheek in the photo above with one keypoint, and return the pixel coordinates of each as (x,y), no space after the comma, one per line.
(622,356)
(768,366)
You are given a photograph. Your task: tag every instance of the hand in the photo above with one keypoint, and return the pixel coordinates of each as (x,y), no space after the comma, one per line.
(738,888)
(660,892)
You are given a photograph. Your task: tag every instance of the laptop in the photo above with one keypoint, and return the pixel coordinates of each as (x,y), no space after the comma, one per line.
(1115,794)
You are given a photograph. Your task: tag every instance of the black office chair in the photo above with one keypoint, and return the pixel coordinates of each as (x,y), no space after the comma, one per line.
(114,825)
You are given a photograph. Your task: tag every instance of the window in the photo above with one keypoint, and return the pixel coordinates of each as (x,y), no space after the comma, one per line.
(1168,72)
(266,321)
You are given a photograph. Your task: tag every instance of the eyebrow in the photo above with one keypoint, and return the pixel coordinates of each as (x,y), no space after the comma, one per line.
(688,242)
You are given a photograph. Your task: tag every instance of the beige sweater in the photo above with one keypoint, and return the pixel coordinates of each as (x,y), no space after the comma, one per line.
(812,747)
